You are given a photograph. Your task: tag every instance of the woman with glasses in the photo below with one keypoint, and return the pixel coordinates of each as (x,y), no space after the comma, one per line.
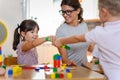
(72,12)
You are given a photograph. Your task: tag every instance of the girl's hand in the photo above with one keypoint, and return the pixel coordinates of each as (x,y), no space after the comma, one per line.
(52,38)
(54,41)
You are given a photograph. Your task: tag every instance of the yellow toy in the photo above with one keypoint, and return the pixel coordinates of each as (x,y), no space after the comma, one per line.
(17,70)
(3,37)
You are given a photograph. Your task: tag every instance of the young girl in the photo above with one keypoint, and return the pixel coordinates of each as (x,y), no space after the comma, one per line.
(25,42)
(107,38)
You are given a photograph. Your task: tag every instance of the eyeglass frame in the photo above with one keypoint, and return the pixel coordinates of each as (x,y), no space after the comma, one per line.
(67,12)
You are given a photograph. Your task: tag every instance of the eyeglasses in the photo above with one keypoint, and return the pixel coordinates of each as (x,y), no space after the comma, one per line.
(67,12)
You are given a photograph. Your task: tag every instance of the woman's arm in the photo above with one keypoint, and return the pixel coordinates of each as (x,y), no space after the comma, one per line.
(65,59)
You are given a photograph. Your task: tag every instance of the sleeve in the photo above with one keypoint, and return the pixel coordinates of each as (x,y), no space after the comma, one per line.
(93,35)
(85,26)
(59,32)
(19,49)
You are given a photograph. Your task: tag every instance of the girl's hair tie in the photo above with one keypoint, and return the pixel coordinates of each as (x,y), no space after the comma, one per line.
(18,26)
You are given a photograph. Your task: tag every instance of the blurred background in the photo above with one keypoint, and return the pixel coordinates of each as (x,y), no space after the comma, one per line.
(46,13)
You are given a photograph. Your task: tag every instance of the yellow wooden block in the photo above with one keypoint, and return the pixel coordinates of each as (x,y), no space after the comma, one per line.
(17,71)
(0,58)
(53,76)
(69,75)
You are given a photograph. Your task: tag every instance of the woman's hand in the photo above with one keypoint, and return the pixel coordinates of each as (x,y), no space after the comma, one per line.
(69,63)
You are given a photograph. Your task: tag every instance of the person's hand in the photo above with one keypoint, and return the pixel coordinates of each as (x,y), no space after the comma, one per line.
(57,43)
(52,38)
(72,63)
(94,59)
(69,63)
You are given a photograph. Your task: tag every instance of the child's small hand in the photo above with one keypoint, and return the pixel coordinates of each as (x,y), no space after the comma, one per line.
(52,38)
(94,59)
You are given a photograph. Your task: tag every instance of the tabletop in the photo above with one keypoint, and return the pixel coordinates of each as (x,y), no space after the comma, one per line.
(94,67)
(79,73)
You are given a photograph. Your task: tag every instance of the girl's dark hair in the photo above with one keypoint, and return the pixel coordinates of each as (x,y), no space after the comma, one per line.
(25,26)
(76,5)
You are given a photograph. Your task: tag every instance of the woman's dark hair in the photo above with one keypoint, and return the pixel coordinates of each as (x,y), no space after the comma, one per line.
(25,26)
(76,5)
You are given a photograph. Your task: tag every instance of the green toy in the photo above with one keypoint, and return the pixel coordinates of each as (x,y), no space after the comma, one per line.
(63,46)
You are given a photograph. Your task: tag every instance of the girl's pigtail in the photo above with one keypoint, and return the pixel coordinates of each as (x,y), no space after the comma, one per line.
(16,39)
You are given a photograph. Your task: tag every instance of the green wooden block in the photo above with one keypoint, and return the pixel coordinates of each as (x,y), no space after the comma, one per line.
(57,75)
(96,62)
(54,69)
(66,47)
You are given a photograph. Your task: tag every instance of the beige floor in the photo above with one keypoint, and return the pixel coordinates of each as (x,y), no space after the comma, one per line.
(46,52)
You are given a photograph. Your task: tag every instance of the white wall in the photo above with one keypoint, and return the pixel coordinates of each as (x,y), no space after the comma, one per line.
(90,9)
(47,14)
(11,14)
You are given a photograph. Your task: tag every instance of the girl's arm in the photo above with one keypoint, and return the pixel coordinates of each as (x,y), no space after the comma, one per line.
(27,45)
(31,44)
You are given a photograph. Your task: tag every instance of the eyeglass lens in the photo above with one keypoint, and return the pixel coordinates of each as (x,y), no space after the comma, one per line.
(68,12)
